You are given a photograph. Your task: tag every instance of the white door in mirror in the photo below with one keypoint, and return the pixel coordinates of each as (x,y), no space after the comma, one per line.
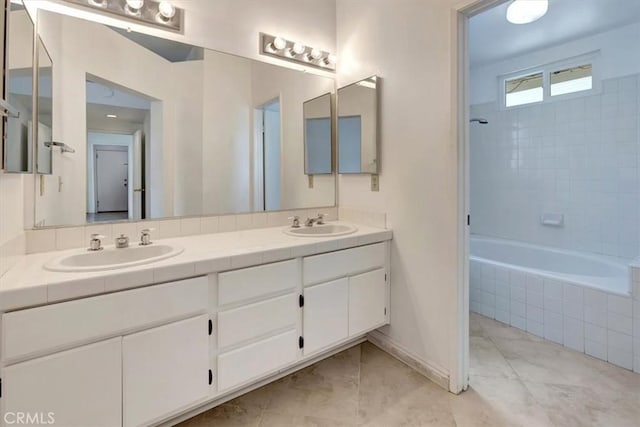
(111,258)
(325,230)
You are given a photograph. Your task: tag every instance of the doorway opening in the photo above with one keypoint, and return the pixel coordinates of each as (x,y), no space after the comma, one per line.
(542,201)
(267,157)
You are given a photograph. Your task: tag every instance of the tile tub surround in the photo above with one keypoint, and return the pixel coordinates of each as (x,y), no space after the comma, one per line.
(60,238)
(601,324)
(579,157)
(28,284)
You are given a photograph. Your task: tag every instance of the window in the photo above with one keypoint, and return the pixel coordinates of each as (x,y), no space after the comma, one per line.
(570,80)
(524,90)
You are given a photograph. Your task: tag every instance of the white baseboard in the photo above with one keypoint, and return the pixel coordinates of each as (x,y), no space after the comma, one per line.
(433,373)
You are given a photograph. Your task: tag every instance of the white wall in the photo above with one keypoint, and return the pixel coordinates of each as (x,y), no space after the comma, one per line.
(617,48)
(418,180)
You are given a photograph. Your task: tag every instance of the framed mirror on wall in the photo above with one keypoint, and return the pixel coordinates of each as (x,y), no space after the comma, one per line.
(18,104)
(358,127)
(44,108)
(318,136)
(179,131)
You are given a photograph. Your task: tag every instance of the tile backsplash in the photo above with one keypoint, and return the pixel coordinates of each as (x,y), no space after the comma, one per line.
(50,239)
(578,157)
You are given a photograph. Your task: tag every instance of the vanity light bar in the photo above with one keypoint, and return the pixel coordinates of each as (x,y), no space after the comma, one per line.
(297,52)
(151,12)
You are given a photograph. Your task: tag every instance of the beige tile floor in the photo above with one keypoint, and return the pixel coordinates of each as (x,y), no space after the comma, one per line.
(516,379)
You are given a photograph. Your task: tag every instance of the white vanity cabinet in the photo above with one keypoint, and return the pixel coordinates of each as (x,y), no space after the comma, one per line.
(77,387)
(258,316)
(164,369)
(131,357)
(325,315)
(144,356)
(351,304)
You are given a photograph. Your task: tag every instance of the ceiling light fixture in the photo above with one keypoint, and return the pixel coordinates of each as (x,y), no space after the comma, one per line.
(297,52)
(112,116)
(526,11)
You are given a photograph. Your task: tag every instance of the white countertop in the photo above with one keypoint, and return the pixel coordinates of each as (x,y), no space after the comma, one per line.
(27,283)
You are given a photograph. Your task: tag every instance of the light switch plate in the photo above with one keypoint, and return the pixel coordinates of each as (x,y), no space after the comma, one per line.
(375,183)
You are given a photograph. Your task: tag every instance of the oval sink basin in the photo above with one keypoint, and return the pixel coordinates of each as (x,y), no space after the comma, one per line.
(112,258)
(325,230)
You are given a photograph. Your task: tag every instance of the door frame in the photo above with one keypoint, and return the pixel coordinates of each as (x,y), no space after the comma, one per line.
(461,13)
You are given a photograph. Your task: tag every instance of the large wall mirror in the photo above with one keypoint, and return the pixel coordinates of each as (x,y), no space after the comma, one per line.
(44,109)
(18,151)
(142,128)
(358,127)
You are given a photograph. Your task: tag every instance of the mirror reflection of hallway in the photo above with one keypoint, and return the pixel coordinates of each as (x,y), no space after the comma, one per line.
(117,122)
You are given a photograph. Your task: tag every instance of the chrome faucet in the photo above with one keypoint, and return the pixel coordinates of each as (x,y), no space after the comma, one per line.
(295,221)
(95,244)
(145,236)
(122,242)
(317,220)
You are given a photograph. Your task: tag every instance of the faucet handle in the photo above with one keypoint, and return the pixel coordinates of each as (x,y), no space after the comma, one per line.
(145,236)
(296,221)
(96,244)
(320,219)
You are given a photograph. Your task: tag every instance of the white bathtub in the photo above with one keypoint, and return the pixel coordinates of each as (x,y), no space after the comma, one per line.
(601,272)
(578,300)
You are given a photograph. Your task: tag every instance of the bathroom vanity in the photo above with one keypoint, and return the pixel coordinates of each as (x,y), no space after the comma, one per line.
(155,343)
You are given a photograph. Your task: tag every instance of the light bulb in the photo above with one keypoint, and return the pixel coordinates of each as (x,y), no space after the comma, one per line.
(279,43)
(98,3)
(298,48)
(166,9)
(526,11)
(134,6)
(315,53)
(331,59)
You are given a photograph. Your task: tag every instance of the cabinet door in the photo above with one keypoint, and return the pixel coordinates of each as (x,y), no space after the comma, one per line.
(325,318)
(367,301)
(164,369)
(79,387)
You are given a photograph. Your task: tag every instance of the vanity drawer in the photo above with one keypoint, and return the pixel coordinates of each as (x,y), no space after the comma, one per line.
(250,362)
(255,320)
(333,265)
(58,326)
(254,282)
